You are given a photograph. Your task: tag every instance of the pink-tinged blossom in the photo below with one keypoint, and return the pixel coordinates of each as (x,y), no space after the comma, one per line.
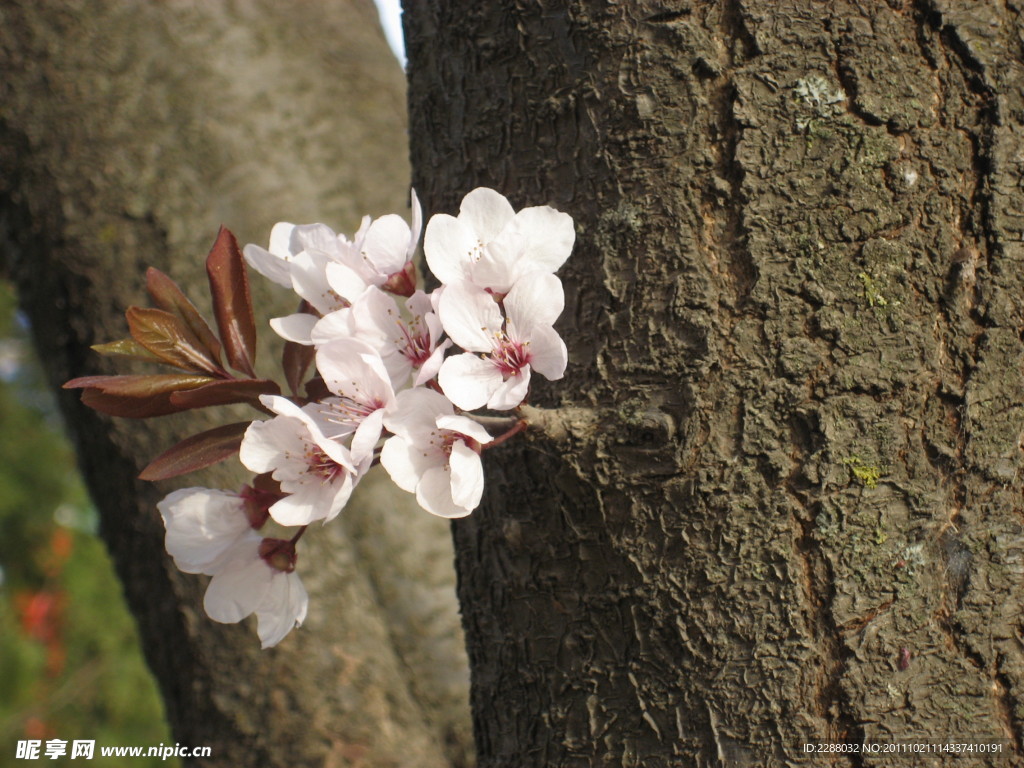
(407,343)
(211,532)
(380,255)
(317,471)
(301,258)
(286,242)
(434,453)
(509,346)
(259,577)
(492,246)
(329,271)
(388,250)
(355,373)
(325,283)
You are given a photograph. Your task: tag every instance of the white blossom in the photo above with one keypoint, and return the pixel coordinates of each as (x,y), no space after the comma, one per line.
(512,345)
(434,453)
(492,246)
(316,471)
(329,271)
(259,578)
(286,242)
(210,532)
(202,525)
(355,373)
(407,342)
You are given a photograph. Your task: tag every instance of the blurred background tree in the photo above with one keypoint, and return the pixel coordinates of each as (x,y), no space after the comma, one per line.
(130,132)
(70,664)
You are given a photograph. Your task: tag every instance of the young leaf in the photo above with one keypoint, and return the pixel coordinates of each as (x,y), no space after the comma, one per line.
(126,348)
(170,298)
(168,338)
(224,392)
(196,452)
(232,302)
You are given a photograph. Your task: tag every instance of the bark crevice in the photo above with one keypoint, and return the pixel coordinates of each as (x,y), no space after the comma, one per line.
(818,584)
(739,46)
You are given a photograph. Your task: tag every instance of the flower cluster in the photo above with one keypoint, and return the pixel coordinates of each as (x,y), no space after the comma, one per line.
(397,373)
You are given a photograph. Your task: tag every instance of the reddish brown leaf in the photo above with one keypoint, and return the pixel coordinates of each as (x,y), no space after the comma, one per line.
(224,392)
(129,407)
(170,298)
(196,452)
(168,338)
(232,302)
(316,389)
(134,397)
(296,361)
(266,483)
(139,387)
(126,348)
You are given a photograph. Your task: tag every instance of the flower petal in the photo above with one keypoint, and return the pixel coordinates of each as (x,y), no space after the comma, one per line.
(310,502)
(343,487)
(282,243)
(366,436)
(352,368)
(510,393)
(236,590)
(406,462)
(469,381)
(265,441)
(345,281)
(537,299)
(271,266)
(309,280)
(375,316)
(297,327)
(467,476)
(548,355)
(416,223)
(486,212)
(538,239)
(544,238)
(282,444)
(415,413)
(465,426)
(282,609)
(313,237)
(386,244)
(434,494)
(332,326)
(470,316)
(432,364)
(203,525)
(449,247)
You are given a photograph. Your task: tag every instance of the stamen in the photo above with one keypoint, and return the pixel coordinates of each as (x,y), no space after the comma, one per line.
(509,356)
(322,465)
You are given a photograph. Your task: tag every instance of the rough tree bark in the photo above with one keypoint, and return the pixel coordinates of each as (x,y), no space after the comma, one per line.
(128,133)
(790,508)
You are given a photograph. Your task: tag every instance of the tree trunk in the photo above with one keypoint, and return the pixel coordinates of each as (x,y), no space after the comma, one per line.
(129,132)
(794,316)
